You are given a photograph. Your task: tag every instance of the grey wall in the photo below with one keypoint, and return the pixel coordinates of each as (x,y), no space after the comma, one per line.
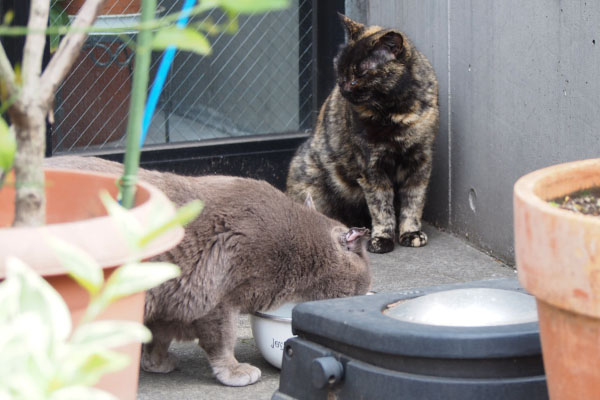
(519,90)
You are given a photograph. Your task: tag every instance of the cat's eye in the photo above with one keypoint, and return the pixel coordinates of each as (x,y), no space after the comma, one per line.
(354,82)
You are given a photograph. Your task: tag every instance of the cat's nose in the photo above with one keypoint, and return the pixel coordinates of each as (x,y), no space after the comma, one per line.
(348,85)
(344,87)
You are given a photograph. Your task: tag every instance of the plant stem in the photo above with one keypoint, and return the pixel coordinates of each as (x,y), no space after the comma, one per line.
(28,116)
(139,90)
(29,109)
(69,48)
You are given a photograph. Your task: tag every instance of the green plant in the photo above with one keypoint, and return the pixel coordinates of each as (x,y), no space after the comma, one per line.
(41,357)
(29,91)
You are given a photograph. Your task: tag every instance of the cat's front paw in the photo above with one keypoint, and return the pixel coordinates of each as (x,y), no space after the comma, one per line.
(380,245)
(162,366)
(413,239)
(238,375)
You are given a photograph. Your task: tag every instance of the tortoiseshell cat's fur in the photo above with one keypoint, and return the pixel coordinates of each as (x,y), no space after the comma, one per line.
(252,248)
(369,159)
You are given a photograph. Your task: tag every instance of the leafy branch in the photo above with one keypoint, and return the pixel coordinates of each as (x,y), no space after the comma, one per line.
(34,89)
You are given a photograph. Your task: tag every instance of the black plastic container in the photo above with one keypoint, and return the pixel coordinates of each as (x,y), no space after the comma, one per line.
(348,349)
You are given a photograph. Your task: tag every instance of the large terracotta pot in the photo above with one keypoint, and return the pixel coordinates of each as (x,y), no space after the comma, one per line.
(76,214)
(558,261)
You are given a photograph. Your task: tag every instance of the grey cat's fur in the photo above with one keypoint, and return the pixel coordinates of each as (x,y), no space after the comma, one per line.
(251,249)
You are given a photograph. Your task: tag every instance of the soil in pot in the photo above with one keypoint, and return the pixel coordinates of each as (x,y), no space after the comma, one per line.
(585,202)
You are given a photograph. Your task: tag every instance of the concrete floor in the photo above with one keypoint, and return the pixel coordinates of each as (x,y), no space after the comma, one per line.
(446,259)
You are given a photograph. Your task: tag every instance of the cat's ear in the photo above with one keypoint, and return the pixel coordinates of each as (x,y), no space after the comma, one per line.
(308,202)
(392,42)
(354,239)
(353,28)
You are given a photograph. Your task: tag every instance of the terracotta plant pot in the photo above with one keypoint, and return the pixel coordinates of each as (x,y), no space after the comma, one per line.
(76,214)
(558,261)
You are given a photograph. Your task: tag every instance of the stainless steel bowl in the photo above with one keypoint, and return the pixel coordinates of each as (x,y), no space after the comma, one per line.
(469,307)
(270,330)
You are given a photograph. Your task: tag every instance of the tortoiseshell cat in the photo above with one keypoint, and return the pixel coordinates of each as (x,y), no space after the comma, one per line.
(369,159)
(252,248)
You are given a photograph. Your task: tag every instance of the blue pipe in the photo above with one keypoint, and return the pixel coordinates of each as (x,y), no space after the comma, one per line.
(163,71)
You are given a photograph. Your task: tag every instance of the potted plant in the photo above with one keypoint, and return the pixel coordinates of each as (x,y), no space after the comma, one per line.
(43,203)
(76,215)
(41,356)
(558,261)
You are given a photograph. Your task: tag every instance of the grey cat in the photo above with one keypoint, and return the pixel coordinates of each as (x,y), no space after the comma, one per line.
(251,249)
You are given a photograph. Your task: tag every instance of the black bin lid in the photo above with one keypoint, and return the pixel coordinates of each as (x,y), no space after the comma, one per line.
(358,328)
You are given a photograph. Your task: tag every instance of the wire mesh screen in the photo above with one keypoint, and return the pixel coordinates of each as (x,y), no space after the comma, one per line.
(257,81)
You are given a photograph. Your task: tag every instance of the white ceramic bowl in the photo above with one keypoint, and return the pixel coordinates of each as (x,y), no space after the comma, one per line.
(270,330)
